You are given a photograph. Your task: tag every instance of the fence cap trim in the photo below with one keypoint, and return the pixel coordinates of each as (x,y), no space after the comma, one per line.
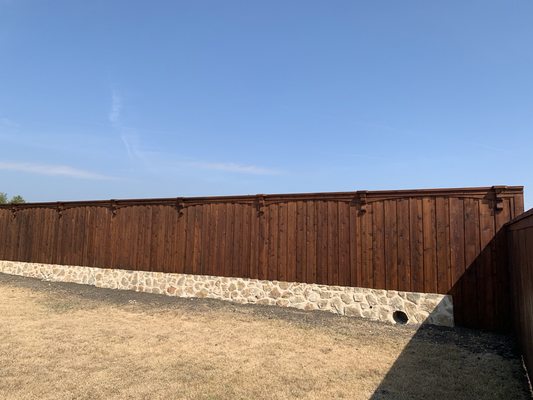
(374,195)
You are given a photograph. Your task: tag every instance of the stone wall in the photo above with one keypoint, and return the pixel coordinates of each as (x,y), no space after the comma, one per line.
(383,305)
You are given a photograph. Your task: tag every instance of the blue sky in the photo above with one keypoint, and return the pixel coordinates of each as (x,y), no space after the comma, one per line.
(120,99)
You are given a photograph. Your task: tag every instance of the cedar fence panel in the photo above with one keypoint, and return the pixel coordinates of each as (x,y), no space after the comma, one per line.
(520,242)
(436,241)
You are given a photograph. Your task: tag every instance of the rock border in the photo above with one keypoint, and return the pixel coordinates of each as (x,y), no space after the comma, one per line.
(373,304)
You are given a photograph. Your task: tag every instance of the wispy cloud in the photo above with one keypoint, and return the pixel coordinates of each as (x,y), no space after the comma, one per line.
(132,143)
(116,108)
(493,149)
(232,167)
(129,147)
(157,161)
(8,123)
(128,137)
(52,170)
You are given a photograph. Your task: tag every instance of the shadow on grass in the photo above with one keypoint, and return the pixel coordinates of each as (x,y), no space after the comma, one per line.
(480,358)
(456,363)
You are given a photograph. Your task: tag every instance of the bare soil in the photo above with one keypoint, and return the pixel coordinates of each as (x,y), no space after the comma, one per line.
(68,341)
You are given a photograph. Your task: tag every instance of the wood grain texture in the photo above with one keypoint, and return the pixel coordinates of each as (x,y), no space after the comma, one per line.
(520,251)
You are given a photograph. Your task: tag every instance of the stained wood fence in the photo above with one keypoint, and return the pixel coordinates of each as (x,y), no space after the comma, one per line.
(520,241)
(437,241)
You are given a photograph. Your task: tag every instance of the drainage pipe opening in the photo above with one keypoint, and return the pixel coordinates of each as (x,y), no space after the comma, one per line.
(400,317)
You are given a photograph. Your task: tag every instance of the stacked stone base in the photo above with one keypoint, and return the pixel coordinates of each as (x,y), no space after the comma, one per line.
(382,305)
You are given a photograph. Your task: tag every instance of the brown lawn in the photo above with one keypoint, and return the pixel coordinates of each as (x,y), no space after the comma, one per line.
(66,341)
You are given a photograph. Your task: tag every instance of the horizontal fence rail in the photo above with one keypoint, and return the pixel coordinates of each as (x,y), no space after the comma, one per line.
(435,241)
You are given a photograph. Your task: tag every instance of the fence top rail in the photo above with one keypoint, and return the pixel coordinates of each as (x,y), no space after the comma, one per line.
(522,220)
(354,196)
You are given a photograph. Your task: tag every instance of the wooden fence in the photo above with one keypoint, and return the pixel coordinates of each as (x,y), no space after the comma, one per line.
(420,240)
(520,240)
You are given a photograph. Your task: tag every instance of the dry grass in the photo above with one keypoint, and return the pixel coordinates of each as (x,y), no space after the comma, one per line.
(62,341)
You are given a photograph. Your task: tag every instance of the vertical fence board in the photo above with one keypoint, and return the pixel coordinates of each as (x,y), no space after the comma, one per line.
(291,241)
(333,242)
(344,244)
(367,233)
(273,242)
(311,242)
(404,245)
(301,246)
(417,245)
(472,249)
(429,239)
(500,263)
(485,278)
(205,241)
(322,242)
(391,244)
(254,238)
(189,241)
(378,246)
(443,243)
(263,243)
(237,240)
(282,241)
(222,238)
(355,243)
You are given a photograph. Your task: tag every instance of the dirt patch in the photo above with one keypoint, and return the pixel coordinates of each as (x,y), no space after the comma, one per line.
(64,341)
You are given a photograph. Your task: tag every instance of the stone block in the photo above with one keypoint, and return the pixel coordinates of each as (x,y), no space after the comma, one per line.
(353,310)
